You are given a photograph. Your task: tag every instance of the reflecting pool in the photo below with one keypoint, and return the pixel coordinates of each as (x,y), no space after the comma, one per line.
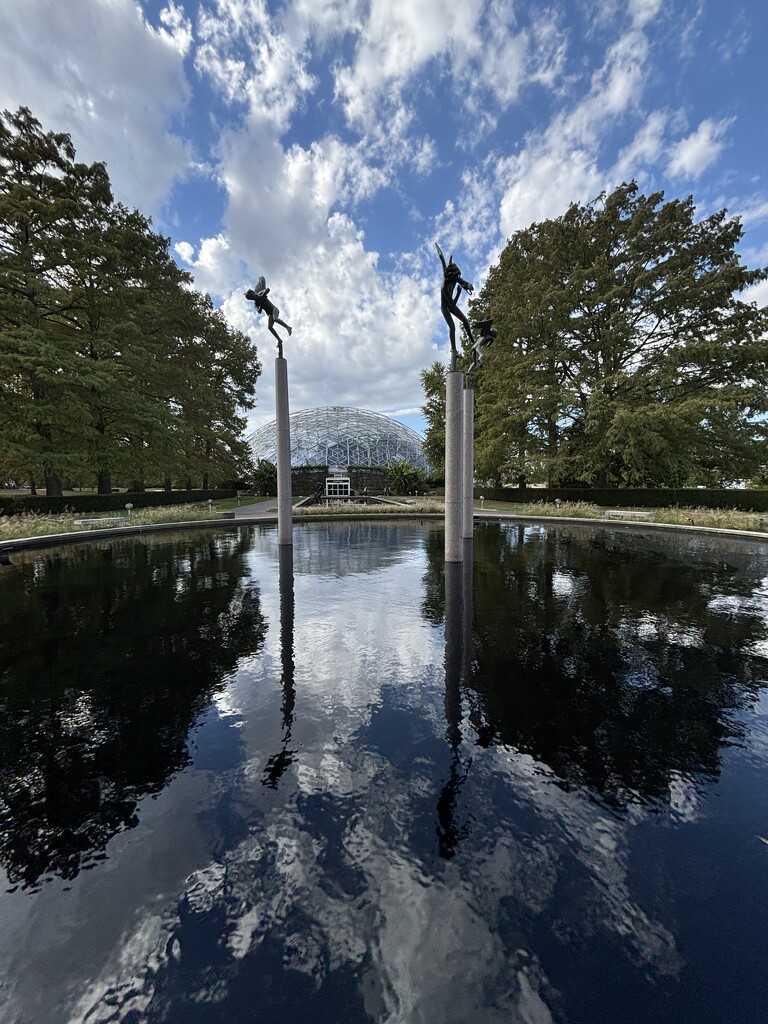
(345,783)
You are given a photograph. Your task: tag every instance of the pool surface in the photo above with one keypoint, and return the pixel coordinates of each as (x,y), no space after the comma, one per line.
(338,783)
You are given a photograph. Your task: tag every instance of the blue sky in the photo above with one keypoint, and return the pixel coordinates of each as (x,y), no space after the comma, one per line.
(328,143)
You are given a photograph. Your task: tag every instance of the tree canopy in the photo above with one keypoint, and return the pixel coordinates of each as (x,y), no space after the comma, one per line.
(625,356)
(111,364)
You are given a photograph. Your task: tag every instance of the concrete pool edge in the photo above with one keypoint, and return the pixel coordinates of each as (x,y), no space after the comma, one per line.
(58,539)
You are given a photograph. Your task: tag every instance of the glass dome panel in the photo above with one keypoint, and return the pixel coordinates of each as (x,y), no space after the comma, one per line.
(341,436)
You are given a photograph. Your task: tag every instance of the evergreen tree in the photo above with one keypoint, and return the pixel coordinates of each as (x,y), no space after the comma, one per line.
(110,364)
(625,355)
(433,383)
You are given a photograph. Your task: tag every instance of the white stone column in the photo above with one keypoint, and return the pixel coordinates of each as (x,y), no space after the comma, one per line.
(454,475)
(469,463)
(284,502)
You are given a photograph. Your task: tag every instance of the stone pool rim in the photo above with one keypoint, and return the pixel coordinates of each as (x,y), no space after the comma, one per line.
(84,536)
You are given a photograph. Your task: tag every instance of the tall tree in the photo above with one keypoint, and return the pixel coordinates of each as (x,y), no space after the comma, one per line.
(433,383)
(110,364)
(39,190)
(625,354)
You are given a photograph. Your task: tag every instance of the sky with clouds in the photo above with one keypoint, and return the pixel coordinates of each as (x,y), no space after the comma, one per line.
(327,144)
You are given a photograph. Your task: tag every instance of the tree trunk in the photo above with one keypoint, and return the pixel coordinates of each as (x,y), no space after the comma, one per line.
(167,484)
(53,488)
(32,488)
(206,478)
(189,484)
(136,487)
(104,482)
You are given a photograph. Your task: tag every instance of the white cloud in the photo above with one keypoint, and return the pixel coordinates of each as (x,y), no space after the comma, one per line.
(691,156)
(75,66)
(177,28)
(250,59)
(645,148)
(756,293)
(643,11)
(753,211)
(560,164)
(396,41)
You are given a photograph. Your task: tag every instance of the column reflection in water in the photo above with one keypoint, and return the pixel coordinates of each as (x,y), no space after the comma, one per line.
(279,763)
(458,662)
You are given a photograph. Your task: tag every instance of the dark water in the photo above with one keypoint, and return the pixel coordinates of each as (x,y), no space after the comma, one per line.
(341,784)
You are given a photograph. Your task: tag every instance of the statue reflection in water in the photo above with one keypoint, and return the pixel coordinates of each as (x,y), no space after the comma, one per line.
(458,666)
(279,763)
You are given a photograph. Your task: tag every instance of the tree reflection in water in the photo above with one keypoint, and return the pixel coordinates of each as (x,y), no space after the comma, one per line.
(484,823)
(109,654)
(616,677)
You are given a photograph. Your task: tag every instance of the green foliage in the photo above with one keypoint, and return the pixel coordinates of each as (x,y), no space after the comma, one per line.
(403,478)
(624,356)
(433,383)
(111,366)
(265,477)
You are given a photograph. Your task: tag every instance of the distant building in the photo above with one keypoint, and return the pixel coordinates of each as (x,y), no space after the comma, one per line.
(339,436)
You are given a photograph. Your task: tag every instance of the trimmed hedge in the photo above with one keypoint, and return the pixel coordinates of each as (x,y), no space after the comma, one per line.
(40,504)
(638,497)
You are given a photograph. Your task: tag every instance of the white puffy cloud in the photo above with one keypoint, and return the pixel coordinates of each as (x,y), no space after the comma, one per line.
(99,70)
(691,156)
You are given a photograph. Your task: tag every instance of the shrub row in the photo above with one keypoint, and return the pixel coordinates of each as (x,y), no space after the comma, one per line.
(15,505)
(638,497)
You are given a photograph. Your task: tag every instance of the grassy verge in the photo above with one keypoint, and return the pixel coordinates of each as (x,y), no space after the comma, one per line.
(719,518)
(32,524)
(35,525)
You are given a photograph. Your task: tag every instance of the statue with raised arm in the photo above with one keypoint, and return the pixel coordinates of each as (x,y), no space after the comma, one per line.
(264,305)
(453,283)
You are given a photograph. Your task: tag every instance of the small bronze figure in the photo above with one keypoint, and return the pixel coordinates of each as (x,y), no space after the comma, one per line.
(265,305)
(487,337)
(453,283)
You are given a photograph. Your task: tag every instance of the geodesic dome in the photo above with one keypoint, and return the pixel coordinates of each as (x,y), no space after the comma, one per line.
(338,436)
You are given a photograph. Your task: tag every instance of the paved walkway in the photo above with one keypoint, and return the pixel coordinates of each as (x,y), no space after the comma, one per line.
(258,508)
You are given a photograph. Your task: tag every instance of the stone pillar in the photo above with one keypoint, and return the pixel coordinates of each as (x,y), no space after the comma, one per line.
(454,476)
(284,503)
(469,463)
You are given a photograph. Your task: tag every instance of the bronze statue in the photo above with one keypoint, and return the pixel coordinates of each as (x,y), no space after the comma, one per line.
(453,283)
(265,305)
(487,337)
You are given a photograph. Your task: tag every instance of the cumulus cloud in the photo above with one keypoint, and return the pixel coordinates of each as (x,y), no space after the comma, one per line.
(99,70)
